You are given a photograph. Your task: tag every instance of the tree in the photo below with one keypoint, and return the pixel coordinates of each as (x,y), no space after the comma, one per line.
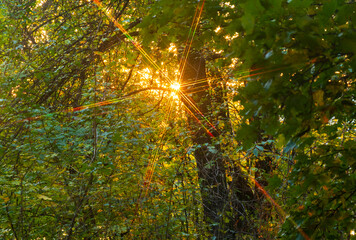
(93,138)
(221,208)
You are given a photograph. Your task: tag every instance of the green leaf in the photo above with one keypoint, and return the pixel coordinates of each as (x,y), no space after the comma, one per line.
(248,23)
(276,4)
(300,4)
(255,152)
(252,9)
(260,148)
(280,141)
(290,146)
(274,182)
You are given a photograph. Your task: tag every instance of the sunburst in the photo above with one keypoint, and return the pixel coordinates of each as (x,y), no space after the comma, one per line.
(175,86)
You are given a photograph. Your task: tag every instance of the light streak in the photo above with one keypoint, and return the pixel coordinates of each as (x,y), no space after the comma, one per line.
(190,102)
(269,198)
(207,130)
(239,72)
(151,166)
(77,109)
(123,30)
(150,169)
(268,71)
(196,20)
(280,211)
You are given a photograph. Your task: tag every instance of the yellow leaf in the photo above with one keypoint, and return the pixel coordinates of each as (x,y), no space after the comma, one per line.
(43,197)
(98,53)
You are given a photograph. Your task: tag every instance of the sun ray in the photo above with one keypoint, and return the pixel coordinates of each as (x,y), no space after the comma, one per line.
(280,211)
(193,105)
(77,109)
(197,119)
(151,167)
(143,52)
(175,86)
(196,20)
(123,30)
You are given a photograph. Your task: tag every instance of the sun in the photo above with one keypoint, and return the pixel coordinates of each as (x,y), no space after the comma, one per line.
(175,86)
(175,93)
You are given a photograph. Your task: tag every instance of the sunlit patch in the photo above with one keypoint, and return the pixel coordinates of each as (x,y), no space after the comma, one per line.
(40,3)
(217,51)
(145,74)
(352,232)
(172,48)
(164,125)
(229,37)
(234,62)
(227,4)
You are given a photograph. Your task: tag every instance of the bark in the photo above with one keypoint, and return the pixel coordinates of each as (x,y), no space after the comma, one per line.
(224,208)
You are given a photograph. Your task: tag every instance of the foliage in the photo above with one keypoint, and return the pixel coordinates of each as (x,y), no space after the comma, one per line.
(308,106)
(66,171)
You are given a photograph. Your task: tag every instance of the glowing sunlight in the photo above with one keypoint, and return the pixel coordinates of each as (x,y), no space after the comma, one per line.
(175,86)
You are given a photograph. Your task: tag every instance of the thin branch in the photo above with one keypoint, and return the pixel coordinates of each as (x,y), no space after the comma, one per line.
(159,103)
(118,37)
(129,76)
(148,89)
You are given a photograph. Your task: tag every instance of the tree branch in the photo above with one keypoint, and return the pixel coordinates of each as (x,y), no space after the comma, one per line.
(148,89)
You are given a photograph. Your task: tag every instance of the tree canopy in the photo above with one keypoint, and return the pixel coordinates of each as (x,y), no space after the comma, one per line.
(138,119)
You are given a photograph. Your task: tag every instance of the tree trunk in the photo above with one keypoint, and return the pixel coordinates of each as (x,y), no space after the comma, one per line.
(223,209)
